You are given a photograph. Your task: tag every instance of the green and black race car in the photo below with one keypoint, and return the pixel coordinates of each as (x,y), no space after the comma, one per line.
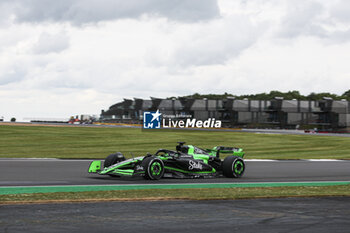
(186,162)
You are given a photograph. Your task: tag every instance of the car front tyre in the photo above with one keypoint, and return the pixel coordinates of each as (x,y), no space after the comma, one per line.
(113,159)
(154,168)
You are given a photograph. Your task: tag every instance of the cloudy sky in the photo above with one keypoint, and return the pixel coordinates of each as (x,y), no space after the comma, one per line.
(67,57)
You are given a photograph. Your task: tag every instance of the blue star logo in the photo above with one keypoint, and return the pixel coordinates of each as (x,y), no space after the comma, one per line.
(151,120)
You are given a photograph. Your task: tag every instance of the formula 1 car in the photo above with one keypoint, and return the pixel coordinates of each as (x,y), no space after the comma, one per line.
(186,162)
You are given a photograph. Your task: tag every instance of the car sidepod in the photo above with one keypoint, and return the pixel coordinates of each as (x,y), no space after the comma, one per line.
(187,167)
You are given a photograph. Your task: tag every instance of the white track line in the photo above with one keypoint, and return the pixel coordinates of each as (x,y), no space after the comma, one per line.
(262,160)
(324,160)
(295,160)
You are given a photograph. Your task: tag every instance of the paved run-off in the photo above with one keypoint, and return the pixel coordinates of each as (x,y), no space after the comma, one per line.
(85,188)
(316,214)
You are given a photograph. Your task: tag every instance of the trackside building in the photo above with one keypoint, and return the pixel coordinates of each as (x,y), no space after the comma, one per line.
(275,113)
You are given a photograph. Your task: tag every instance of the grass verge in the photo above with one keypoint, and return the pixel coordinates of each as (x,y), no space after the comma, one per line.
(98,142)
(176,194)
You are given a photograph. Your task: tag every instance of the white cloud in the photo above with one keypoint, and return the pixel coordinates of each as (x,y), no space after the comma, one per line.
(51,43)
(303,18)
(215,42)
(340,11)
(57,61)
(90,11)
(317,18)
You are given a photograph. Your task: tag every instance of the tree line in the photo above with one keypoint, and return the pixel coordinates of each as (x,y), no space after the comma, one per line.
(267,96)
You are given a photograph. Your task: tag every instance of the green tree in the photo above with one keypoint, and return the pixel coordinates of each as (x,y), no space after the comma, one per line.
(346,95)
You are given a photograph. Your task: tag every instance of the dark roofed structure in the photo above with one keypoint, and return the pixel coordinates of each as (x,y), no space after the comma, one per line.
(274,113)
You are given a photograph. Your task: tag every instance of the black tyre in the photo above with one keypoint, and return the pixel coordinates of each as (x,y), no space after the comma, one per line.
(113,159)
(154,168)
(233,167)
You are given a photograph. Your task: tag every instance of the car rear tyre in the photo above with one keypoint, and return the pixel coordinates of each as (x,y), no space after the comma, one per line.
(154,168)
(233,167)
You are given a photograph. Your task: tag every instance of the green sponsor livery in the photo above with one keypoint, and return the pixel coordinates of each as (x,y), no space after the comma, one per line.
(187,161)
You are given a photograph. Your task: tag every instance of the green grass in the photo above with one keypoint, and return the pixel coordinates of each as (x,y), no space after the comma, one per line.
(98,142)
(185,194)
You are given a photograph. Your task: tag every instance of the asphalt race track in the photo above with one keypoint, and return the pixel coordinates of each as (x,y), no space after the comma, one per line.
(33,172)
(319,214)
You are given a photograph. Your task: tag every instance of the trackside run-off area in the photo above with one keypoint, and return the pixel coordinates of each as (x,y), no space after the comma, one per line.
(98,142)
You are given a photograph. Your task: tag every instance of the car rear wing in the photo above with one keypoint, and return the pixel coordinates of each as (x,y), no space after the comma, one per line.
(227,150)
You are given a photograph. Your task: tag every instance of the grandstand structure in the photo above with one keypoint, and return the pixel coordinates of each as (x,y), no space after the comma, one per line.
(275,113)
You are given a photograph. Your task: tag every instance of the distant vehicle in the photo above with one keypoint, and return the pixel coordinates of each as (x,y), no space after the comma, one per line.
(187,161)
(74,121)
(82,119)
